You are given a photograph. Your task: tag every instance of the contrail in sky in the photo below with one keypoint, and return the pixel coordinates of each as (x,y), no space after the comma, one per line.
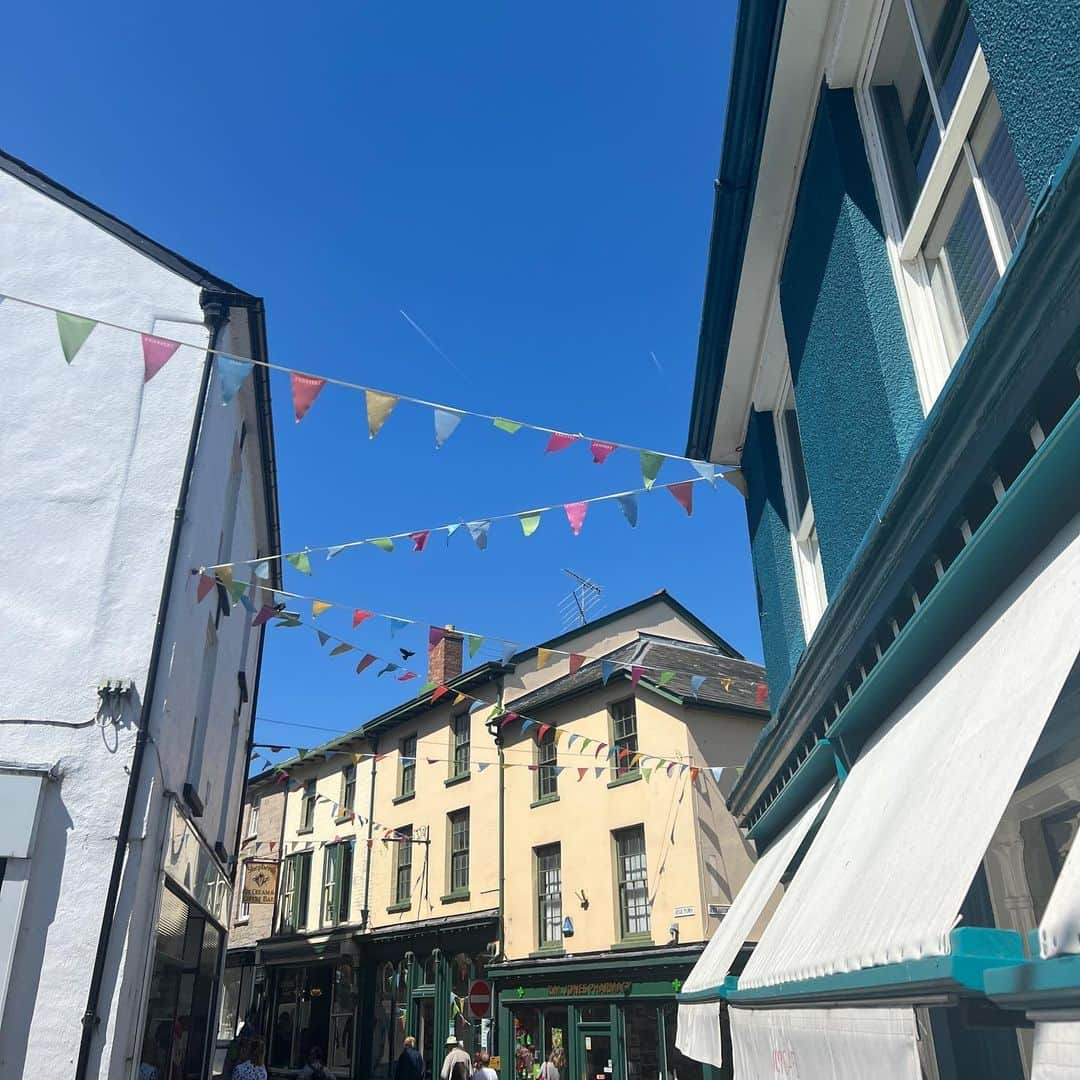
(420,330)
(654,360)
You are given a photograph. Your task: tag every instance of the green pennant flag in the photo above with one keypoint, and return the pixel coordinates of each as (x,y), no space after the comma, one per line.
(585,743)
(302,751)
(475,641)
(74,330)
(383,543)
(645,774)
(665,677)
(236,590)
(650,466)
(426,689)
(511,427)
(529,523)
(300,560)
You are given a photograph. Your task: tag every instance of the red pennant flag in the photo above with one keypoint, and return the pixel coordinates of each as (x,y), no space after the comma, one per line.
(432,761)
(576,660)
(419,539)
(206,584)
(541,731)
(575,514)
(407,676)
(558,441)
(635,674)
(273,844)
(305,389)
(581,773)
(266,613)
(761,694)
(359,616)
(624,753)
(684,495)
(602,746)
(156,352)
(438,693)
(435,634)
(601,451)
(366,661)
(694,775)
(509,718)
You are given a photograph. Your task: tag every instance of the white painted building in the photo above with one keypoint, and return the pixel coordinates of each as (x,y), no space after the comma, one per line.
(119,808)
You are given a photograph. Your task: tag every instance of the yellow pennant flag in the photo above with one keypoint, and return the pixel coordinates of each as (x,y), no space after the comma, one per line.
(634,760)
(318,607)
(543,658)
(459,699)
(556,735)
(379,408)
(726,684)
(224,574)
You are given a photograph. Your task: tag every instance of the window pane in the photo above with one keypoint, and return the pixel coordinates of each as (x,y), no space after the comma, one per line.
(403,880)
(995,160)
(906,116)
(950,41)
(459,851)
(799,484)
(633,881)
(547,782)
(959,258)
(624,732)
(461,744)
(549,889)
(408,765)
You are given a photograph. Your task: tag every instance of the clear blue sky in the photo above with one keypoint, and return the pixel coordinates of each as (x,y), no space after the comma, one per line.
(531,183)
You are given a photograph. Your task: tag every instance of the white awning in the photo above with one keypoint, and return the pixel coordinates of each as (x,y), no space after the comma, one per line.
(698,1034)
(885,877)
(1057,1051)
(842,1044)
(1059,931)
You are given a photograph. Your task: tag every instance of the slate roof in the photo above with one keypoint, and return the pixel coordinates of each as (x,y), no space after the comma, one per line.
(658,654)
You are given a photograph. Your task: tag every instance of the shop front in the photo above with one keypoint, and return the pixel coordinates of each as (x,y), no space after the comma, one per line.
(597,1017)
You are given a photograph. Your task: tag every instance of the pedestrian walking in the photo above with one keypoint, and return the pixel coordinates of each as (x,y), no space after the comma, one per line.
(251,1066)
(457,1065)
(410,1065)
(484,1071)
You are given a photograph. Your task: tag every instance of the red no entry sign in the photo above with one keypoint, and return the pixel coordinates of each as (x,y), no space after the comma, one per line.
(479,998)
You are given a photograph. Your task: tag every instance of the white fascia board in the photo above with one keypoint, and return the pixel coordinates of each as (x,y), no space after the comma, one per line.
(800,65)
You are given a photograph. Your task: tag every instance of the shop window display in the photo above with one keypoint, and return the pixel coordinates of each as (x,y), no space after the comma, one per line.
(388,1020)
(642,1040)
(342,1006)
(680,1067)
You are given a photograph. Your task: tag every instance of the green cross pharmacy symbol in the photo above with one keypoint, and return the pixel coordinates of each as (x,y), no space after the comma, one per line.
(676,985)
(520,991)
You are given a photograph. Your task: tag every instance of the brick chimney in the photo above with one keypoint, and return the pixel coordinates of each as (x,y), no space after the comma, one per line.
(445,658)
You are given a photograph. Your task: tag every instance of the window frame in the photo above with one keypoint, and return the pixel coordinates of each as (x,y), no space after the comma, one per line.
(461,745)
(624,882)
(543,916)
(456,856)
(403,862)
(621,771)
(243,911)
(547,775)
(348,787)
(337,875)
(295,893)
(802,528)
(926,333)
(308,802)
(253,816)
(407,771)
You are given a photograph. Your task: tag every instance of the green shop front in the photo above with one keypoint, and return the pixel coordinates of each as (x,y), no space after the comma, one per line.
(601,1016)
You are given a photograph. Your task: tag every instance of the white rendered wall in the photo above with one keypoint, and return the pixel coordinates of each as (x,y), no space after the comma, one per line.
(91,463)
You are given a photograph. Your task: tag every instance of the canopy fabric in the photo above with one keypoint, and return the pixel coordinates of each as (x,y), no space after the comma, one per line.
(1059,931)
(1057,1050)
(842,1044)
(885,877)
(698,1032)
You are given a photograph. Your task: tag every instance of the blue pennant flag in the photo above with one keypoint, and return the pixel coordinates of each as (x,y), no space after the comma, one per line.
(397,625)
(607,669)
(389,667)
(446,422)
(696,682)
(451,529)
(508,652)
(628,505)
(231,375)
(526,723)
(478,530)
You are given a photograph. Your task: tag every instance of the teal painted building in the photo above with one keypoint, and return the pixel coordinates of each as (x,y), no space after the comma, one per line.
(889,352)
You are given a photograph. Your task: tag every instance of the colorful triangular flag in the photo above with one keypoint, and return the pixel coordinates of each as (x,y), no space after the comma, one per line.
(717,772)
(636,671)
(601,451)
(340,650)
(576,660)
(301,561)
(511,427)
(266,613)
(529,523)
(478,530)
(509,649)
(439,692)
(761,694)
(379,408)
(318,607)
(665,678)
(389,667)
(628,505)
(683,493)
(543,658)
(407,676)
(323,637)
(599,770)
(475,641)
(435,634)
(558,441)
(420,539)
(74,330)
(446,422)
(365,661)
(232,374)
(607,669)
(582,770)
(706,470)
(359,615)
(696,683)
(206,586)
(650,466)
(157,352)
(397,625)
(383,543)
(575,514)
(305,389)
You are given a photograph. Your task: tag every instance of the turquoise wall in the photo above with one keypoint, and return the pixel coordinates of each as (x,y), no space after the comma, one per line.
(855,391)
(770,549)
(1032,49)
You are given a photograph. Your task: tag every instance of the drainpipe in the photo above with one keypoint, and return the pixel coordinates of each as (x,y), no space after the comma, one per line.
(367,860)
(216,317)
(502,820)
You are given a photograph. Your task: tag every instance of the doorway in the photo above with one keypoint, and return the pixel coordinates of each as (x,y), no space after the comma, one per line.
(425,1035)
(595,1053)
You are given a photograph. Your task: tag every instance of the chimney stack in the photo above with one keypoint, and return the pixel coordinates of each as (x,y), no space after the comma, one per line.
(445,657)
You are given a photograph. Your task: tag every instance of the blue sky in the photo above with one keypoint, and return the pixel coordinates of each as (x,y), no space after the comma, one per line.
(531,183)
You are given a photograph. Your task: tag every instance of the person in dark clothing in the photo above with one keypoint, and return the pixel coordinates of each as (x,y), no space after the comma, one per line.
(410,1066)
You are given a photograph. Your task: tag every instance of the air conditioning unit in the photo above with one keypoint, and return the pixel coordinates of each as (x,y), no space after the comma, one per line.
(718,911)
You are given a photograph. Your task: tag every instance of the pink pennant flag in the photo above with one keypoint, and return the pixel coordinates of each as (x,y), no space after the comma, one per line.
(206,584)
(509,718)
(305,389)
(576,660)
(683,493)
(156,353)
(365,661)
(541,731)
(601,451)
(407,676)
(358,616)
(266,613)
(558,441)
(419,539)
(635,674)
(575,514)
(435,634)
(761,694)
(582,770)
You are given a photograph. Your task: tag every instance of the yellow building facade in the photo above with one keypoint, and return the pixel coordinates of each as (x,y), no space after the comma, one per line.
(558,837)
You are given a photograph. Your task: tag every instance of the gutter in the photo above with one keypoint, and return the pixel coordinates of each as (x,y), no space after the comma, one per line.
(216,318)
(756,44)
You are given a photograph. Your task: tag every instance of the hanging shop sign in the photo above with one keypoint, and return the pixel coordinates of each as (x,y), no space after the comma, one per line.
(260,882)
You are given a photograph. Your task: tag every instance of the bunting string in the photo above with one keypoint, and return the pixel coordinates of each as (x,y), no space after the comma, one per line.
(74,329)
(479,529)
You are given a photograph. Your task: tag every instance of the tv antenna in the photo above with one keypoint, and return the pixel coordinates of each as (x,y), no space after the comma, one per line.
(576,607)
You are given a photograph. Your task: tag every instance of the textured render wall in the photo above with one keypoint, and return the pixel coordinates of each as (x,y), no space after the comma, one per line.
(855,390)
(1032,49)
(268,828)
(782,637)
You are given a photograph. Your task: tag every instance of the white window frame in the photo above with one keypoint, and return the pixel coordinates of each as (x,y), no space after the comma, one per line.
(805,549)
(253,816)
(243,910)
(925,331)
